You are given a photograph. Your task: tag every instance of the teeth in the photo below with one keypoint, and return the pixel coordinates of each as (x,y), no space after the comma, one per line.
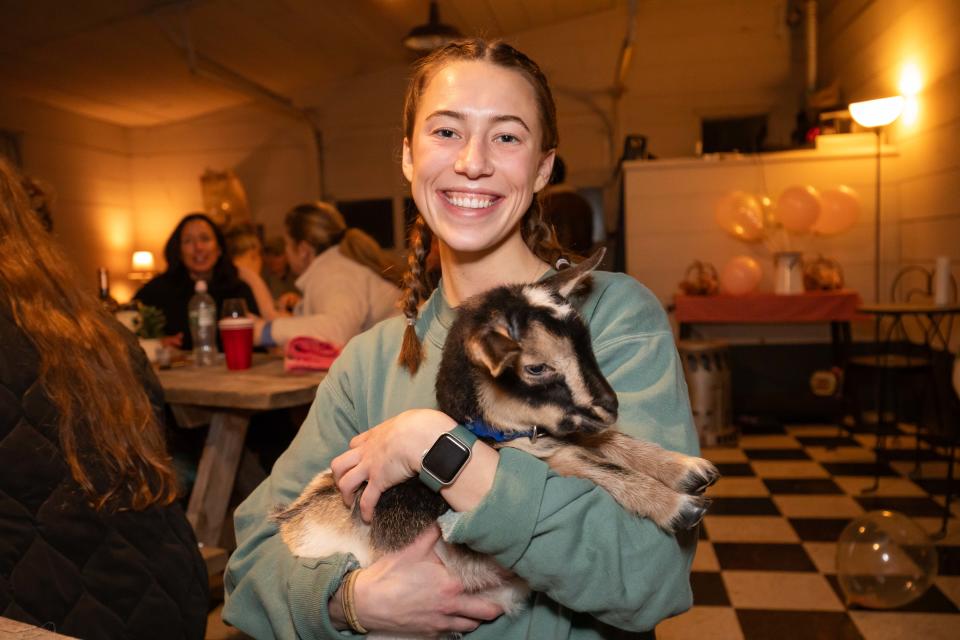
(470,202)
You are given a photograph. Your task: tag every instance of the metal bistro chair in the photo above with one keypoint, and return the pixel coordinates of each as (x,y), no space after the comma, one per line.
(900,378)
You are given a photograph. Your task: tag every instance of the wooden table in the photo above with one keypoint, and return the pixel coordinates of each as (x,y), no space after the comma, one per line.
(16,629)
(225,400)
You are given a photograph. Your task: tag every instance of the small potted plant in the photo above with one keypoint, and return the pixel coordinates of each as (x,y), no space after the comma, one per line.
(149,324)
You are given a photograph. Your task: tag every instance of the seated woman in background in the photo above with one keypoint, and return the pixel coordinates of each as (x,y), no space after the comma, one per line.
(244,248)
(94,543)
(348,282)
(194,251)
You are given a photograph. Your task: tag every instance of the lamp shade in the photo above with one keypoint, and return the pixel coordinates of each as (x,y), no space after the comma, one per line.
(142,261)
(432,35)
(877,113)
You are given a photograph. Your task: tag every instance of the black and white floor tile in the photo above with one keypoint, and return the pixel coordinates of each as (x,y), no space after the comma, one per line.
(765,566)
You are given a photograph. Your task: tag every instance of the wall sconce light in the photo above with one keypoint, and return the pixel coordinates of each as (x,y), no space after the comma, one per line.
(142,265)
(876,114)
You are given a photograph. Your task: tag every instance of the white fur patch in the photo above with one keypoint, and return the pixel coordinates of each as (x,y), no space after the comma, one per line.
(448,521)
(317,540)
(539,297)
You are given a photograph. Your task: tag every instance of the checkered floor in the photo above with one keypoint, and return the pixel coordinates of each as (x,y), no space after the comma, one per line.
(765,565)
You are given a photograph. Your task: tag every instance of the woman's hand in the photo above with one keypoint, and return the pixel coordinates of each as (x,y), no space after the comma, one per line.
(386,455)
(411,591)
(287,301)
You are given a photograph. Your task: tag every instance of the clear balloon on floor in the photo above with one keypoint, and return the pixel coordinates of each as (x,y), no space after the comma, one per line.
(885,560)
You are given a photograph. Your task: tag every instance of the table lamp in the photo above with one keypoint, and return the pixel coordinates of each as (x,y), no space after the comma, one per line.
(142,265)
(876,114)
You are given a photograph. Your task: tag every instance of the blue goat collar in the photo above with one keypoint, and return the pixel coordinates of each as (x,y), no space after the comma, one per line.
(483,430)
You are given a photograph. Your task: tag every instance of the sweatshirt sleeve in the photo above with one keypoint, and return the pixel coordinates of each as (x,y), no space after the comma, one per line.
(270,593)
(334,310)
(616,567)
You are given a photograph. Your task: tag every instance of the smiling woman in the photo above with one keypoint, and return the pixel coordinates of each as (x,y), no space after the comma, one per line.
(194,251)
(480,134)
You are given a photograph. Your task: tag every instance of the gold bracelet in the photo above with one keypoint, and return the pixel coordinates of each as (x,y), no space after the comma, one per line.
(347,602)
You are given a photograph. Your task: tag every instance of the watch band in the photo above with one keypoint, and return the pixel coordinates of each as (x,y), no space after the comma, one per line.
(462,435)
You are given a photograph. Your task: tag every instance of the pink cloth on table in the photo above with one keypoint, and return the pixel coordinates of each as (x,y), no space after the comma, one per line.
(304,353)
(811,306)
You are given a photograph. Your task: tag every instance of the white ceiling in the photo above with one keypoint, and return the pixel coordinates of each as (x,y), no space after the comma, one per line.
(125,61)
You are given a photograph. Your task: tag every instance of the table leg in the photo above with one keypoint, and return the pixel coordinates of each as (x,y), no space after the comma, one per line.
(216,475)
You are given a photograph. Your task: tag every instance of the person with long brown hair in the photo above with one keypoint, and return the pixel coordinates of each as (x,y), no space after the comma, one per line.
(96,544)
(347,280)
(195,250)
(480,135)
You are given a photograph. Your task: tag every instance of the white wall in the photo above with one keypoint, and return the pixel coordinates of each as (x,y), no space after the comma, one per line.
(272,153)
(670,215)
(86,163)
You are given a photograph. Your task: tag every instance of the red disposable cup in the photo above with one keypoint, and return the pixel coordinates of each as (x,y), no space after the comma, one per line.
(236,334)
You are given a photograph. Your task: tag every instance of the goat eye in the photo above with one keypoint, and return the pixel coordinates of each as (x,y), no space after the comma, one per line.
(536,369)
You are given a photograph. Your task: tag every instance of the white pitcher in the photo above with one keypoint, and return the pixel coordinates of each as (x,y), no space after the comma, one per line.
(787,272)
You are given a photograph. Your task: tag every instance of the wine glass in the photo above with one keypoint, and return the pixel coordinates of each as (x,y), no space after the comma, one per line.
(234,308)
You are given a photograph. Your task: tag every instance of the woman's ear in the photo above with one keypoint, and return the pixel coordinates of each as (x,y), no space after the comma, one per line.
(407,161)
(545,169)
(305,252)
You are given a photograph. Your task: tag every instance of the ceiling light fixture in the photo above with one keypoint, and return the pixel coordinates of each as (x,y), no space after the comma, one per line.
(430,36)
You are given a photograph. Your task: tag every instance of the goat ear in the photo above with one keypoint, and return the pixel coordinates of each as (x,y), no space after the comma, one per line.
(492,349)
(568,281)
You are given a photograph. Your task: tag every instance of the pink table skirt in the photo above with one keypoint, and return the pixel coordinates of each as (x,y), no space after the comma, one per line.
(813,306)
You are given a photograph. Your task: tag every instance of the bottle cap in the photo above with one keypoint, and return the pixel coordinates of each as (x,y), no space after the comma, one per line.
(201,286)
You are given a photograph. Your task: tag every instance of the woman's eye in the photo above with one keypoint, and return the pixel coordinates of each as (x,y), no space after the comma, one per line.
(536,369)
(509,138)
(445,133)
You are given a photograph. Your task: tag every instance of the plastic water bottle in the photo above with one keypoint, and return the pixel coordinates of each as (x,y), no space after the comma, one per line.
(203,326)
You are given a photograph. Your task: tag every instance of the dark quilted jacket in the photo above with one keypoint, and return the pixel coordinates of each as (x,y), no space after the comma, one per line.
(122,574)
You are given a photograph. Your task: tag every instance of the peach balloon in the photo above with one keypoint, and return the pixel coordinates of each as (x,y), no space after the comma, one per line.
(740,275)
(740,215)
(798,208)
(839,211)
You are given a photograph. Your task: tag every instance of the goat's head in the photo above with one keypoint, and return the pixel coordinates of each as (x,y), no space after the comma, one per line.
(519,357)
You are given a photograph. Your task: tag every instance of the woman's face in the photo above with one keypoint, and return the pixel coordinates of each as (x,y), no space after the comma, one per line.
(198,248)
(474,159)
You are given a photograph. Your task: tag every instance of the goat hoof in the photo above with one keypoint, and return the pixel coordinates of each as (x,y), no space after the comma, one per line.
(699,478)
(691,513)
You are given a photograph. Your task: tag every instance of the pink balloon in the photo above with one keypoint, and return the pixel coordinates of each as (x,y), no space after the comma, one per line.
(740,275)
(839,210)
(740,215)
(798,208)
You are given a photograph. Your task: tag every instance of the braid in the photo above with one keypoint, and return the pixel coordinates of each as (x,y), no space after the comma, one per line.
(416,288)
(540,236)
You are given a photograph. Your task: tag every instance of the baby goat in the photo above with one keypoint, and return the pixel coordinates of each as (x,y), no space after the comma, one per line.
(518,368)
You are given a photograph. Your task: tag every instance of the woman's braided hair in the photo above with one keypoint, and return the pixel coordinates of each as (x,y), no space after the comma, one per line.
(537,233)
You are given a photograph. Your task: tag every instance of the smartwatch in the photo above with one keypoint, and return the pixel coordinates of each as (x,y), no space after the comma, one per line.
(443,462)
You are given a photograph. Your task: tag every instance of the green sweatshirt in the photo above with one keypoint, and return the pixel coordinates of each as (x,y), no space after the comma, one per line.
(590,563)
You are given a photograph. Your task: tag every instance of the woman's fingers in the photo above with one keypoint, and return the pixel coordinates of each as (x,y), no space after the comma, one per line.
(422,547)
(344,462)
(359,439)
(476,608)
(368,500)
(350,482)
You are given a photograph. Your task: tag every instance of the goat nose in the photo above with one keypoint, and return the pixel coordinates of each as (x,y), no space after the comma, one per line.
(609,403)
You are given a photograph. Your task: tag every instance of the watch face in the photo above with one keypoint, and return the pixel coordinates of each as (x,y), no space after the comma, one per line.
(445,458)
